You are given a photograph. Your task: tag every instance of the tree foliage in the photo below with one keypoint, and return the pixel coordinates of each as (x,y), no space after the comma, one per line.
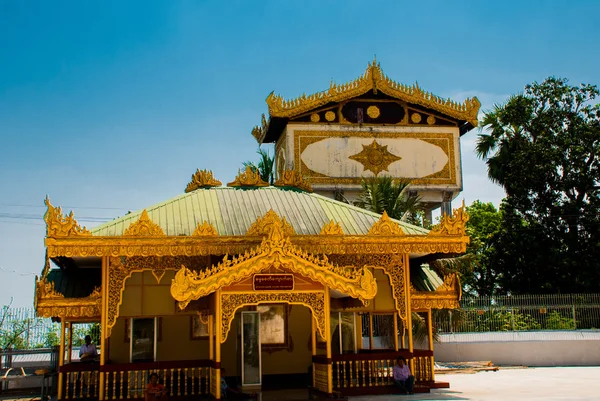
(384,193)
(265,166)
(543,147)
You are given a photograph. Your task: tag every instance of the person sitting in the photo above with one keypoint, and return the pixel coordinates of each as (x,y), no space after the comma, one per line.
(402,377)
(155,391)
(88,352)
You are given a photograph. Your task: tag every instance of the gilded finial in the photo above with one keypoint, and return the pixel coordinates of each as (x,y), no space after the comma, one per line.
(385,226)
(291,178)
(58,225)
(249,178)
(455,225)
(202,179)
(144,227)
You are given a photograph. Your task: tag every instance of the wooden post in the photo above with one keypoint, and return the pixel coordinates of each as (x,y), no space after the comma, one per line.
(103,327)
(408,311)
(328,342)
(313,343)
(396,331)
(218,318)
(70,349)
(370,331)
(430,338)
(61,359)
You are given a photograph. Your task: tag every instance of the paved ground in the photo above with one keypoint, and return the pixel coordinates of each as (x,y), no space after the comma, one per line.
(551,384)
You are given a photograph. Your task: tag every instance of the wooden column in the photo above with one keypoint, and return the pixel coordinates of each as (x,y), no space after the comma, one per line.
(313,343)
(218,321)
(328,341)
(430,338)
(211,337)
(70,349)
(61,359)
(408,310)
(103,327)
(395,331)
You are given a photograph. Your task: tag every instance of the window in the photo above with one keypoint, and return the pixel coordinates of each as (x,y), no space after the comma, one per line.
(143,340)
(377,331)
(343,332)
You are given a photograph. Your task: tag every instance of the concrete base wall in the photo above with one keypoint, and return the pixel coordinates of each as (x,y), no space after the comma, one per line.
(541,348)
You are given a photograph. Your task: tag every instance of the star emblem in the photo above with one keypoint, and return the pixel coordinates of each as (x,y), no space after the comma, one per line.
(375,157)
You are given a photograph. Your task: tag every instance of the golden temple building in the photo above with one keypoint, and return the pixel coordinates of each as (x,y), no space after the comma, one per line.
(277,284)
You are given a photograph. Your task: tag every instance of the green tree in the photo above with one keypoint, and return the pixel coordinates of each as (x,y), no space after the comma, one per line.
(265,166)
(384,193)
(12,329)
(543,147)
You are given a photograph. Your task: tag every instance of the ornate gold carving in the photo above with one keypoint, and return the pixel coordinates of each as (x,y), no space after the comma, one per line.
(50,303)
(202,179)
(373,111)
(330,116)
(415,118)
(314,117)
(375,157)
(431,120)
(276,251)
(231,302)
(205,229)
(249,178)
(373,79)
(45,290)
(259,132)
(446,296)
(291,178)
(58,225)
(332,228)
(455,225)
(221,245)
(445,141)
(263,225)
(385,226)
(144,227)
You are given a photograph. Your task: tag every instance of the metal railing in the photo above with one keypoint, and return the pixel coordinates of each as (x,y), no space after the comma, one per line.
(521,313)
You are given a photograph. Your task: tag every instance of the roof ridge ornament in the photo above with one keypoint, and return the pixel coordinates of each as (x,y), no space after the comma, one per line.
(58,225)
(248,178)
(202,179)
(385,226)
(204,230)
(144,227)
(332,228)
(260,131)
(263,225)
(293,179)
(455,225)
(372,79)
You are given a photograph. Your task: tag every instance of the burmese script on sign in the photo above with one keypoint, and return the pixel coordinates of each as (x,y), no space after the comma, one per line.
(273,282)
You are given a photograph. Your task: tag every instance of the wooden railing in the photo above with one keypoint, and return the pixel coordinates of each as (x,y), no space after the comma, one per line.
(376,369)
(125,381)
(320,373)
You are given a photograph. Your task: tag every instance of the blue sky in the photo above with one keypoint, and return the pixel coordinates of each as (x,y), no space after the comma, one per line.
(111,106)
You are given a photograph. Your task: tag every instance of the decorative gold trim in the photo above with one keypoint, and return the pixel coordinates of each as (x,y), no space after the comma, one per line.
(263,225)
(314,117)
(205,229)
(313,300)
(385,226)
(330,116)
(276,251)
(221,245)
(249,178)
(455,225)
(260,131)
(446,296)
(373,111)
(291,178)
(58,225)
(416,118)
(50,303)
(375,157)
(332,228)
(202,179)
(373,79)
(144,227)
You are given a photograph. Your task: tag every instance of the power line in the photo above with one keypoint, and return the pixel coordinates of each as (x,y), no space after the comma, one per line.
(16,272)
(64,207)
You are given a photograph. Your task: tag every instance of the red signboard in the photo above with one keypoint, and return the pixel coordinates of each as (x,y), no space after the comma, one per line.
(273,282)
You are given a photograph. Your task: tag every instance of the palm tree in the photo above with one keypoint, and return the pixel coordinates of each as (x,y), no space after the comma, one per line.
(265,166)
(381,194)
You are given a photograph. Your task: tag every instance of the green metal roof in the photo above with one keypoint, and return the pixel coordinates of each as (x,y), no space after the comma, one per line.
(232,210)
(423,278)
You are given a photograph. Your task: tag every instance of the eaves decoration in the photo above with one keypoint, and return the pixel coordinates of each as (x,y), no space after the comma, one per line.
(248,178)
(446,296)
(50,303)
(58,225)
(291,178)
(385,226)
(277,252)
(263,225)
(260,131)
(144,227)
(202,179)
(332,228)
(455,225)
(205,230)
(373,79)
